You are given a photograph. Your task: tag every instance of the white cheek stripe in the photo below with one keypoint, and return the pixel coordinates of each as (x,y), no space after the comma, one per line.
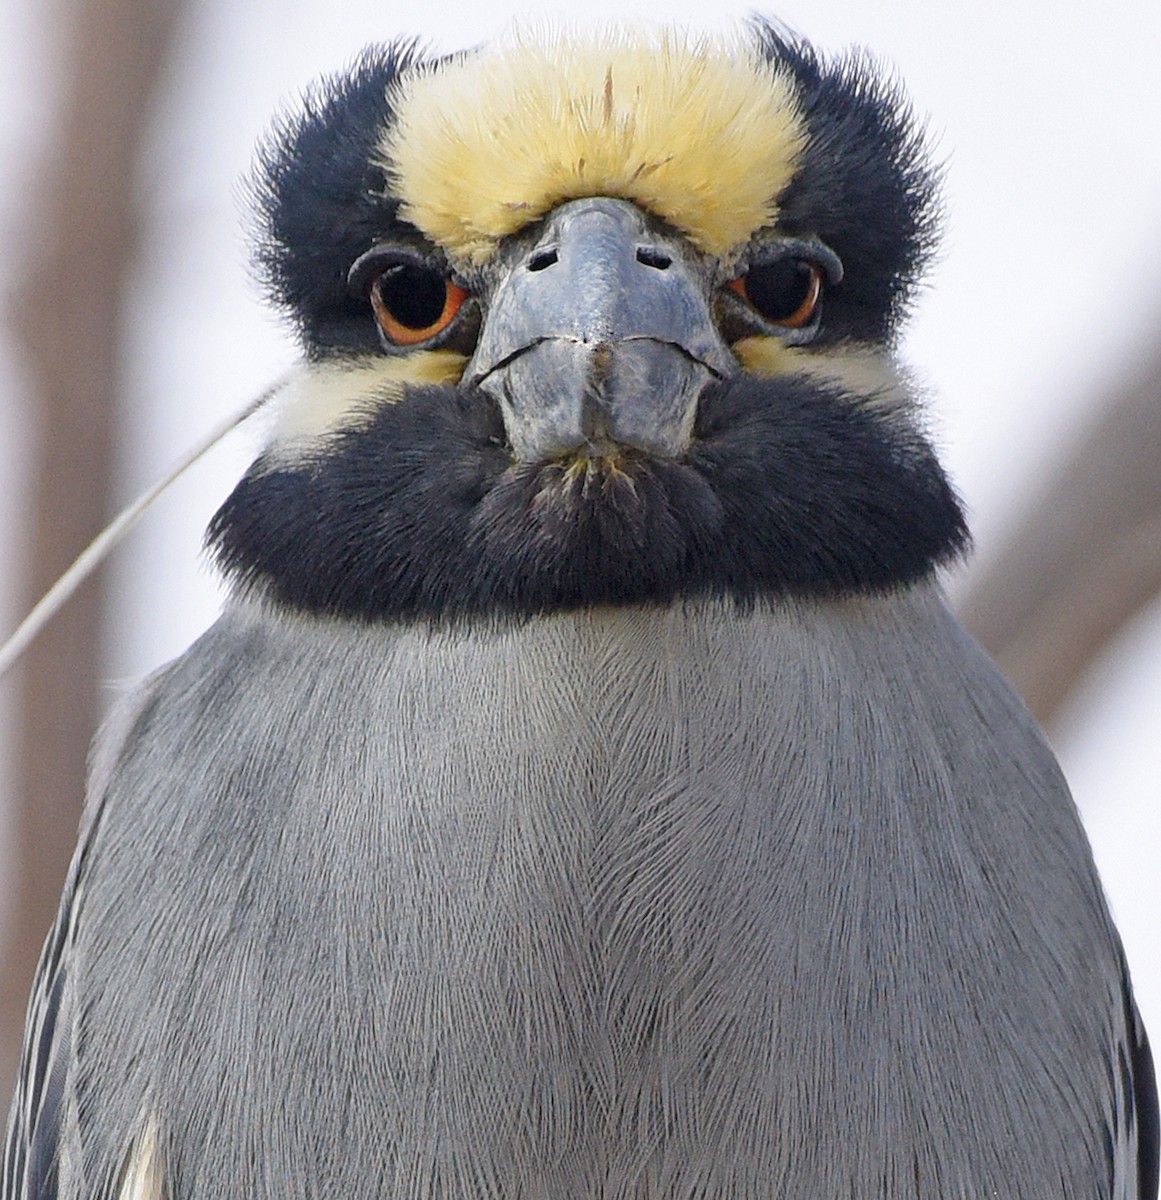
(145,1171)
(326,398)
(866,371)
(862,371)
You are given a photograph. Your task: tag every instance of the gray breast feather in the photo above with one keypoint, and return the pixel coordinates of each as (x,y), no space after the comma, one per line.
(619,904)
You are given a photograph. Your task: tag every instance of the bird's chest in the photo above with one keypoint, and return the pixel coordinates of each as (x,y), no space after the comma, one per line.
(580,897)
(566,918)
(615,910)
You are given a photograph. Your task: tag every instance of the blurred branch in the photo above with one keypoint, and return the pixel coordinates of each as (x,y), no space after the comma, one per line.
(1086,557)
(68,314)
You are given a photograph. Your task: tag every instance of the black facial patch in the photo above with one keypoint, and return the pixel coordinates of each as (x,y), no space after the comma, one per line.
(865,185)
(789,489)
(321,201)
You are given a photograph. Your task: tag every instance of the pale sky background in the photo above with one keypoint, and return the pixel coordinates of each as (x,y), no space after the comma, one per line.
(1046,114)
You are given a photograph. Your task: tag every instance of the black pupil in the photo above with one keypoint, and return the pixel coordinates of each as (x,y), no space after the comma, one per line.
(413,295)
(778,289)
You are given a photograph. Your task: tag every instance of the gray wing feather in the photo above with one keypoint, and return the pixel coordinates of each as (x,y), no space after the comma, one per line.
(32,1148)
(1135,1133)
(41,1137)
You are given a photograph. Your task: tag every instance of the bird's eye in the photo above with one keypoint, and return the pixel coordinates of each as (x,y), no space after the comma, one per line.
(785,292)
(413,303)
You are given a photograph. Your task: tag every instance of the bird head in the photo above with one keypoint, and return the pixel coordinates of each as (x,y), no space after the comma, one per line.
(593,319)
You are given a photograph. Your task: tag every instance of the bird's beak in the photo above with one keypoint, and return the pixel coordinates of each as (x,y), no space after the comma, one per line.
(598,336)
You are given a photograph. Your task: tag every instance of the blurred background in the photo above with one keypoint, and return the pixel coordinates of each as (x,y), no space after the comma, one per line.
(130,323)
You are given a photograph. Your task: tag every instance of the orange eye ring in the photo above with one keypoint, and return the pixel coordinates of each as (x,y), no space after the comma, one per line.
(789,301)
(410,306)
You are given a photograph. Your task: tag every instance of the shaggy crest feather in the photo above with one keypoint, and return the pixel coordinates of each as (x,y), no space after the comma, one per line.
(695,129)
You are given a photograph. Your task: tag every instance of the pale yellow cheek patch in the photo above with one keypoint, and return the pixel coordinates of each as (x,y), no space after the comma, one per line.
(695,130)
(324,398)
(863,371)
(766,356)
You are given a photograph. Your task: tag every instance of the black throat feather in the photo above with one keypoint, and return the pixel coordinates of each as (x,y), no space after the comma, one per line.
(790,489)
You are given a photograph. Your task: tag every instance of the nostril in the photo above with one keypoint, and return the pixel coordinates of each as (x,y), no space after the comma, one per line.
(650,256)
(542,259)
